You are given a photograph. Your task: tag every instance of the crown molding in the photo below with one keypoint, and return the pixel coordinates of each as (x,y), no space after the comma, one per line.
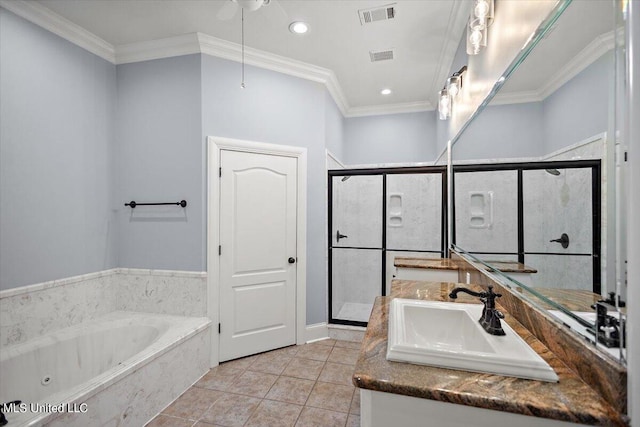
(43,17)
(185,44)
(233,51)
(516,97)
(587,56)
(195,43)
(379,110)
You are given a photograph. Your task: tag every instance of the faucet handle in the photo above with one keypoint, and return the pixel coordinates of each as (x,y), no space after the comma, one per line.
(499,314)
(491,293)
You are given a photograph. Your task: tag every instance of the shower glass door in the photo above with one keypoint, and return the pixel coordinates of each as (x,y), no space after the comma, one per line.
(560,238)
(356,249)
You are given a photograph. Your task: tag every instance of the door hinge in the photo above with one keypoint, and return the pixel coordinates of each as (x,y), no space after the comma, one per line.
(220,172)
(219,328)
(220,250)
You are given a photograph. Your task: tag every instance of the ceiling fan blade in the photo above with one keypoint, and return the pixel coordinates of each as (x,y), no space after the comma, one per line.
(227,10)
(275,13)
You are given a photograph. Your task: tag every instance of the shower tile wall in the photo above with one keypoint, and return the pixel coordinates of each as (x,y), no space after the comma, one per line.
(486,211)
(554,205)
(562,272)
(595,149)
(414,212)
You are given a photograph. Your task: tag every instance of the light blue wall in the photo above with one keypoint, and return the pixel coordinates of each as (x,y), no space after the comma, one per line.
(392,138)
(279,109)
(574,112)
(57,114)
(159,158)
(580,108)
(503,131)
(334,127)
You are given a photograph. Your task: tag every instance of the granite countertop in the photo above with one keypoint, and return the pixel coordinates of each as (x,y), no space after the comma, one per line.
(573,299)
(448,264)
(568,400)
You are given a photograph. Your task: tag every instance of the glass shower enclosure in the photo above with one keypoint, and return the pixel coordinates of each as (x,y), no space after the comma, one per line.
(375,215)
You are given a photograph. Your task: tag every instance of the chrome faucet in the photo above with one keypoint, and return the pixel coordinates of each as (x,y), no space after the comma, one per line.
(490,319)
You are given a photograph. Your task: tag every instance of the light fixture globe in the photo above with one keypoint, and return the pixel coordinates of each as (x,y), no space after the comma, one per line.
(481,9)
(251,5)
(453,86)
(385,91)
(298,27)
(444,105)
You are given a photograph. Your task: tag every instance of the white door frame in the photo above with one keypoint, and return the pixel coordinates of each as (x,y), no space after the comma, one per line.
(216,144)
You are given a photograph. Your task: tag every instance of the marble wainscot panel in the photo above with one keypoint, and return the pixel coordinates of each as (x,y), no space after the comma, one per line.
(600,371)
(181,293)
(569,400)
(31,311)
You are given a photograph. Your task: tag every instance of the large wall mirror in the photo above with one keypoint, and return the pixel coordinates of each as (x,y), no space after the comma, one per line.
(538,172)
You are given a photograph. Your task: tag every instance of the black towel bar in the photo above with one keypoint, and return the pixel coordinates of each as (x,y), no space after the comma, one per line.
(133,204)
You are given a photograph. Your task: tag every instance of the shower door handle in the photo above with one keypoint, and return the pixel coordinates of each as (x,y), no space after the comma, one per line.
(563,240)
(340,236)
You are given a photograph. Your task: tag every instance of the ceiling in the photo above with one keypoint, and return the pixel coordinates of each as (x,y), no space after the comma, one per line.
(424,35)
(582,34)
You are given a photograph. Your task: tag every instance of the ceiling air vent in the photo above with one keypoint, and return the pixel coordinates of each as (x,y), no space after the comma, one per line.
(383,13)
(381,55)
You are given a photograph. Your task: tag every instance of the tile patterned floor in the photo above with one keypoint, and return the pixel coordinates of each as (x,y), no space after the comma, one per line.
(302,386)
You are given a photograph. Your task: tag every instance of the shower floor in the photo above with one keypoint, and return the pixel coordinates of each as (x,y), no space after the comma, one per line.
(354,311)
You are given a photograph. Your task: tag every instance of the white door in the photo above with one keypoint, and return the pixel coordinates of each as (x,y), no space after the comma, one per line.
(258,253)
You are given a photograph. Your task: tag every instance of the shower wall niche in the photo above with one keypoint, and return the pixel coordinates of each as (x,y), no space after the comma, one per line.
(375,215)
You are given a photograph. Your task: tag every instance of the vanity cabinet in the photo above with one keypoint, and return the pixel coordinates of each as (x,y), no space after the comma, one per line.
(404,394)
(379,409)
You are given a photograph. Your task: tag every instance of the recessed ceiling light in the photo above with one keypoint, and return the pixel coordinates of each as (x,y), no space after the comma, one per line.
(385,91)
(298,27)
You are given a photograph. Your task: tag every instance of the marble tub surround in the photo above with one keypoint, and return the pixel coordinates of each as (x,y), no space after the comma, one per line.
(138,397)
(600,371)
(568,400)
(180,293)
(449,264)
(31,311)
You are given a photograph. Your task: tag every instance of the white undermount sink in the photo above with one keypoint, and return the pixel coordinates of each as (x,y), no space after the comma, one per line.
(448,335)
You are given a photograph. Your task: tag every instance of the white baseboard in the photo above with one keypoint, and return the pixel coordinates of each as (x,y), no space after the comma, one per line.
(316,332)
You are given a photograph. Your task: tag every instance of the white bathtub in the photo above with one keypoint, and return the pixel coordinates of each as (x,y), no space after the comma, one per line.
(74,365)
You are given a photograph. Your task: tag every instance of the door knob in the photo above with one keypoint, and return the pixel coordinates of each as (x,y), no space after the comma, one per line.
(292,260)
(340,236)
(563,240)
